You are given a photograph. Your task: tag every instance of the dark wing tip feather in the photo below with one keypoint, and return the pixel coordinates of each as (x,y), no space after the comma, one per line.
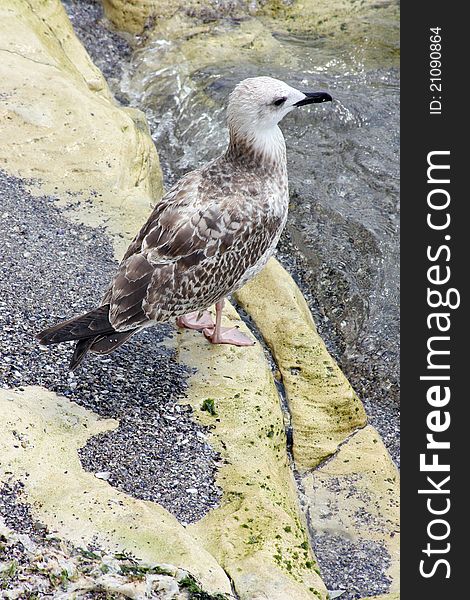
(80,352)
(101,344)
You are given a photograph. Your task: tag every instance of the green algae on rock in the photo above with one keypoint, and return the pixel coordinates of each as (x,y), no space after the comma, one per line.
(257,534)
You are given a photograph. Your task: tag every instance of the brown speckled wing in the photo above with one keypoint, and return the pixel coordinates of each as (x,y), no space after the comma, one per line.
(194,249)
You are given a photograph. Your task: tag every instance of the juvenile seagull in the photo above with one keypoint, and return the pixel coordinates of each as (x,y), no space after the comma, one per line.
(211,233)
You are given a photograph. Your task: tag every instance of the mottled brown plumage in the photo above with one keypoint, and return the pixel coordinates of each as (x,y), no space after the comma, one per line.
(213,231)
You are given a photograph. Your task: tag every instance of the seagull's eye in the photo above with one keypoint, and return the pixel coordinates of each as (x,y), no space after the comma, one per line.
(279,101)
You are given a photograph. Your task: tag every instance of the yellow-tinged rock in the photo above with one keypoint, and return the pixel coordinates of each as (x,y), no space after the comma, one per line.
(356,495)
(40,434)
(368,24)
(195,45)
(299,16)
(134,15)
(61,126)
(257,533)
(131,15)
(323,405)
(40,32)
(368,21)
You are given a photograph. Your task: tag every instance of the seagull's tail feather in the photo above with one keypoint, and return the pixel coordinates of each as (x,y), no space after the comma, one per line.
(90,325)
(92,331)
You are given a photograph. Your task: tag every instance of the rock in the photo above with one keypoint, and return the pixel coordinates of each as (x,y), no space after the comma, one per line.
(52,567)
(166,584)
(116,584)
(257,534)
(180,574)
(136,15)
(325,17)
(354,496)
(322,403)
(131,15)
(321,17)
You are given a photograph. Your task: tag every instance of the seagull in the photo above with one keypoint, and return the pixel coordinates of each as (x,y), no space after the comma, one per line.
(210,234)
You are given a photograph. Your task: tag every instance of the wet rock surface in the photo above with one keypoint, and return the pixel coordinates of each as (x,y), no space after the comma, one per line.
(51,270)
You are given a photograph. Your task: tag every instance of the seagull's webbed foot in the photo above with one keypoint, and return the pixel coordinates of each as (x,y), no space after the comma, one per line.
(227,335)
(196,320)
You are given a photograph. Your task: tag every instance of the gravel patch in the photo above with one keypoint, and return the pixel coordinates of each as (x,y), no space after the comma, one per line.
(51,269)
(347,561)
(16,514)
(358,568)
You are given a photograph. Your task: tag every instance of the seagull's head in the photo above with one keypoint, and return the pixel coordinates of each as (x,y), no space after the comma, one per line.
(255,108)
(258,104)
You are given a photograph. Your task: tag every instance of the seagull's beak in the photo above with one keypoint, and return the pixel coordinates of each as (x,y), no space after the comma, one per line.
(314,98)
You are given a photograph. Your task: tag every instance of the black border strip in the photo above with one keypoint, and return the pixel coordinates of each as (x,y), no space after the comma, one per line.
(423,246)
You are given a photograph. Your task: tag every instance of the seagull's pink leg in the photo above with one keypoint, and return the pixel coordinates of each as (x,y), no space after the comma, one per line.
(195,320)
(225,335)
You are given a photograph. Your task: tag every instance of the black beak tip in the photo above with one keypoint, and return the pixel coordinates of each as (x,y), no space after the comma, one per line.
(326,97)
(314,98)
